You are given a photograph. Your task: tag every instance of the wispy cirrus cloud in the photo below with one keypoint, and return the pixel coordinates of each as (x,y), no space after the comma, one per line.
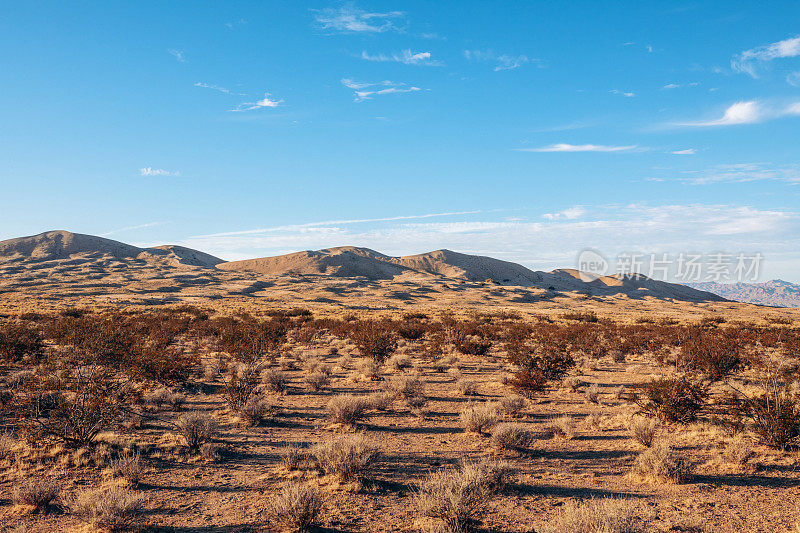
(501,61)
(752,61)
(150,171)
(265,102)
(626,94)
(687,151)
(671,86)
(544,244)
(564,147)
(216,88)
(368,90)
(350,19)
(747,112)
(131,228)
(743,172)
(570,213)
(406,57)
(177,54)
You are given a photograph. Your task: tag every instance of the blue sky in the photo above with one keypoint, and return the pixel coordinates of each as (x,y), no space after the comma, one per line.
(526,131)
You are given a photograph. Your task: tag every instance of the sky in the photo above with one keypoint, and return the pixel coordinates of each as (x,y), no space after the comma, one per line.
(526,131)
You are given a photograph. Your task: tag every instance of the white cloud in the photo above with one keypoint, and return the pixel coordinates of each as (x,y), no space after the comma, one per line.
(622,93)
(407,57)
(743,172)
(750,61)
(563,147)
(687,151)
(178,54)
(501,61)
(131,228)
(216,88)
(670,86)
(570,213)
(542,245)
(350,19)
(747,112)
(150,171)
(259,104)
(368,90)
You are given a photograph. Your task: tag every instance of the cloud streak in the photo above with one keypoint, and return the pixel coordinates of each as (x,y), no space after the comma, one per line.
(751,61)
(368,90)
(501,61)
(406,57)
(350,19)
(265,102)
(746,112)
(564,147)
(150,171)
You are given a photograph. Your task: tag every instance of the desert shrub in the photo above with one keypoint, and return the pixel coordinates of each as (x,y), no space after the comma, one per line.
(512,405)
(292,456)
(773,415)
(349,457)
(7,445)
(411,329)
(538,366)
(373,339)
(297,506)
(593,393)
(197,428)
(508,436)
(580,316)
(573,383)
(596,516)
(128,466)
(347,409)
(38,493)
(738,450)
(457,496)
(19,340)
(115,508)
(211,451)
(249,340)
(84,403)
(275,380)
(381,401)
(317,381)
(257,410)
(474,347)
(368,370)
(467,387)
(643,430)
(407,387)
(478,417)
(713,353)
(672,399)
(563,426)
(399,362)
(662,463)
(241,383)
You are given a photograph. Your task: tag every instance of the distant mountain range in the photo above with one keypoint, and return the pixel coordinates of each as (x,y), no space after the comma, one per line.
(776,292)
(90,263)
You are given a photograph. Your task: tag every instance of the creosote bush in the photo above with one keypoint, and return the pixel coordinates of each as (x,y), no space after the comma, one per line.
(596,516)
(197,428)
(349,457)
(479,417)
(114,508)
(38,493)
(317,381)
(662,463)
(373,339)
(672,399)
(297,506)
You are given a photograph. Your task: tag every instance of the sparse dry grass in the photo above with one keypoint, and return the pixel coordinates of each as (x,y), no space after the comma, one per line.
(738,450)
(662,464)
(40,494)
(113,508)
(596,516)
(197,428)
(511,436)
(347,409)
(349,457)
(297,506)
(128,466)
(643,430)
